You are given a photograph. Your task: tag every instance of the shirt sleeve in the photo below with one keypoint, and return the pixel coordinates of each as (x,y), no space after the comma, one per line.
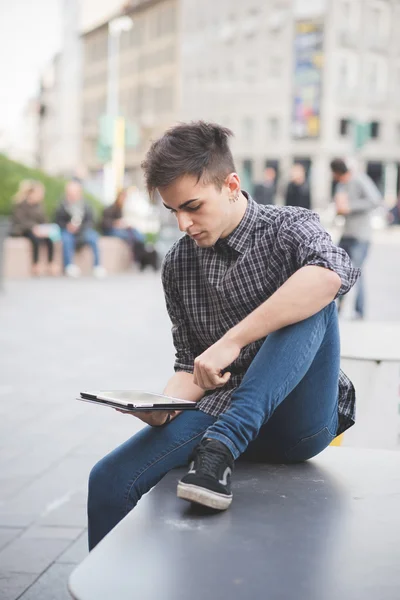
(308,243)
(185,349)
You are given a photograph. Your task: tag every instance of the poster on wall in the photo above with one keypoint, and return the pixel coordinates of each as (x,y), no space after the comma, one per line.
(307,79)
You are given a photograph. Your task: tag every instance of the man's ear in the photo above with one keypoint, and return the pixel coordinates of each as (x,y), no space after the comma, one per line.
(233,183)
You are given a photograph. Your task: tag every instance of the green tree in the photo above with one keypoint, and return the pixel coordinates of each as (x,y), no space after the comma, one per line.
(12,173)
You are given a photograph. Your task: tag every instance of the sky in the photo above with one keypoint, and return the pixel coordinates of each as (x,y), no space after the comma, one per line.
(30,34)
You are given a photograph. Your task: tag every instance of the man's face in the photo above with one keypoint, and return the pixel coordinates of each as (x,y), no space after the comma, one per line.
(270,174)
(203,212)
(73,192)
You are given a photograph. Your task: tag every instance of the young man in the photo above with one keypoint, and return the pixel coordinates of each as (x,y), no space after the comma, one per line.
(356,196)
(250,291)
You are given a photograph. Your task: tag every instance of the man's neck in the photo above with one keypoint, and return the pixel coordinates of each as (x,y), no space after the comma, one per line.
(238,211)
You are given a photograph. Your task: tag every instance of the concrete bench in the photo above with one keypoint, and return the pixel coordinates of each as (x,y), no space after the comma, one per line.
(324,529)
(370,356)
(115,255)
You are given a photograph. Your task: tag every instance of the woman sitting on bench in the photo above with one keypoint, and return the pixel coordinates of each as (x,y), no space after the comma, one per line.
(27,220)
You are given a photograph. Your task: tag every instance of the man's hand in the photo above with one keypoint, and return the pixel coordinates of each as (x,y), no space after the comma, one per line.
(155,418)
(120,224)
(72,227)
(37,231)
(342,204)
(209,365)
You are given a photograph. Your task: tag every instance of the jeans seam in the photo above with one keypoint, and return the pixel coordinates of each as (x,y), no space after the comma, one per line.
(306,438)
(294,372)
(154,462)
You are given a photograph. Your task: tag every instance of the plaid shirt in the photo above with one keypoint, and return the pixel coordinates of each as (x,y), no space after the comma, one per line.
(209,290)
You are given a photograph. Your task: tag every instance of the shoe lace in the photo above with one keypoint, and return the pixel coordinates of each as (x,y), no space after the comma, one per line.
(208,462)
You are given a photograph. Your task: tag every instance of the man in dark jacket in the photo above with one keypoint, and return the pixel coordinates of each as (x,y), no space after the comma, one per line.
(298,190)
(264,193)
(76,221)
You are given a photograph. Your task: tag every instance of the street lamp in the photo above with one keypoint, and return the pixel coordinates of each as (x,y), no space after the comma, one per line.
(114,170)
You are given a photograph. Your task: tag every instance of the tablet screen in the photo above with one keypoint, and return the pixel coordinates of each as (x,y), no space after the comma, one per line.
(137,398)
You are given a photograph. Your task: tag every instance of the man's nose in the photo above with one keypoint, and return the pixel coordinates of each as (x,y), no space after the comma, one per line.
(184,221)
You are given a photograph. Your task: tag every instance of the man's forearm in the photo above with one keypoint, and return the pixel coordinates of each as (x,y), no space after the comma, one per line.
(304,294)
(181,386)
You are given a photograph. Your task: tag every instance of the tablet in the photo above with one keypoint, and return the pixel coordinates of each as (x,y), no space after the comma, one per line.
(136,400)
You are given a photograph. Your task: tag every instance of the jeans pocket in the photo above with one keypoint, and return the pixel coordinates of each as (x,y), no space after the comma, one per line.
(310,446)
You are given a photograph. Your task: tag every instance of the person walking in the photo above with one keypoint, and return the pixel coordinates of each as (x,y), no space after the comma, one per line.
(356,197)
(264,192)
(298,190)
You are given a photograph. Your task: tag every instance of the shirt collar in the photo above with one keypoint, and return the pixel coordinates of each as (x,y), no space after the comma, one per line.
(238,239)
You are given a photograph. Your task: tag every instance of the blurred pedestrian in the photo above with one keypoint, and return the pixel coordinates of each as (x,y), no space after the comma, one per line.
(356,196)
(264,192)
(298,189)
(114,223)
(76,220)
(27,219)
(394,213)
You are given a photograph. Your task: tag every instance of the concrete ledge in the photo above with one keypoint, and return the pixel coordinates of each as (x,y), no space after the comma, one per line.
(115,257)
(293,531)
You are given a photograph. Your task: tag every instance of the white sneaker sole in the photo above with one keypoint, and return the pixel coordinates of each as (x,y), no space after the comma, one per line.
(199,495)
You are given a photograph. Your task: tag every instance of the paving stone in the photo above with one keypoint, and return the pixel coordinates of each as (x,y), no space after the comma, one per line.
(76,552)
(10,518)
(11,486)
(44,532)
(8,534)
(31,555)
(52,585)
(65,516)
(12,585)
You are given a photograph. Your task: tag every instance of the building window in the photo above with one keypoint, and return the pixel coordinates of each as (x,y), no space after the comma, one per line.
(377,77)
(250,74)
(344,127)
(347,72)
(273,129)
(248,130)
(378,24)
(275,67)
(375,130)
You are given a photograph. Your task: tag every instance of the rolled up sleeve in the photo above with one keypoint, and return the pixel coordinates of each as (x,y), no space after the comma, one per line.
(185,349)
(310,244)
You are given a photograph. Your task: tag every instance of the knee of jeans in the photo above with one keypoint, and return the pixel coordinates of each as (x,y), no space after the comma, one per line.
(91,236)
(99,486)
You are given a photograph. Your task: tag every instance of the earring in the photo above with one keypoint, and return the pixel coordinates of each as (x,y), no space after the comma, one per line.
(234,197)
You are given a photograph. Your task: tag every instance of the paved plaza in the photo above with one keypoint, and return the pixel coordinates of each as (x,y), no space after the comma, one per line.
(58,337)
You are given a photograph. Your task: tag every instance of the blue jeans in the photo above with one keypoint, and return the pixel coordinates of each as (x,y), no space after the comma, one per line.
(128,235)
(89,236)
(285,410)
(357,250)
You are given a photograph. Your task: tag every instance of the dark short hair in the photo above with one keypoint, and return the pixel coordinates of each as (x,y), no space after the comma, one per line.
(198,148)
(338,166)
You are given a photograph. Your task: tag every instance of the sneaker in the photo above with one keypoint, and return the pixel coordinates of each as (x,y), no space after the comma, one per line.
(208,481)
(72,271)
(99,272)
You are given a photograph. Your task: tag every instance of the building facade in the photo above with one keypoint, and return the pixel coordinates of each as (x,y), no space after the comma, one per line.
(148,81)
(296,80)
